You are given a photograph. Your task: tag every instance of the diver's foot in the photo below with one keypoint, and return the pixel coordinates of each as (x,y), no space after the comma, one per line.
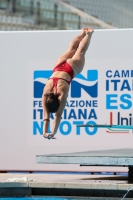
(89,31)
(83,32)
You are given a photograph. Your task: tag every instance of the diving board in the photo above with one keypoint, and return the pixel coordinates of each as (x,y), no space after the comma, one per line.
(113,157)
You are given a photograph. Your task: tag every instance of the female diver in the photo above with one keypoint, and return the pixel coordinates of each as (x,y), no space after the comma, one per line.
(65,69)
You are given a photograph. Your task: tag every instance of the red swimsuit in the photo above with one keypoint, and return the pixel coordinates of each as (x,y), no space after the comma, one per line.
(62,67)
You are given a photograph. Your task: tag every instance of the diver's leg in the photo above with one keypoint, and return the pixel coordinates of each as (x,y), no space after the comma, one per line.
(78,60)
(71,48)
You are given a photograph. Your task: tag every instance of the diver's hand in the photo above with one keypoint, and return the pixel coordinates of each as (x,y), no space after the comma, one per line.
(51,136)
(48,136)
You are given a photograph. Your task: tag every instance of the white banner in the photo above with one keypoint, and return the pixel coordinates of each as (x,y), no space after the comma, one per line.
(101,94)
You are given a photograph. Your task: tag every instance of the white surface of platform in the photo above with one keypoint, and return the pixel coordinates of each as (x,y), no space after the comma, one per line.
(115,157)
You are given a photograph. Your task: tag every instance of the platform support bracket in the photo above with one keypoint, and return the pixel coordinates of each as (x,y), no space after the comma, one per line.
(130,174)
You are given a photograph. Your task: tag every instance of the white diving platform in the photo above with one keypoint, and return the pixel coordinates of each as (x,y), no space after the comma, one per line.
(114,157)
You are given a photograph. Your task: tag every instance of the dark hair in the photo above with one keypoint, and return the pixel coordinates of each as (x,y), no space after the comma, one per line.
(52,102)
